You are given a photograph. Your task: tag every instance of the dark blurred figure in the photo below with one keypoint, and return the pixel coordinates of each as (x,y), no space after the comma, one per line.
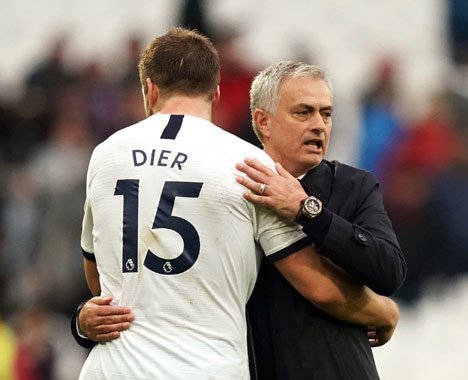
(101,98)
(422,153)
(447,219)
(43,208)
(232,113)
(129,110)
(43,85)
(458,30)
(381,124)
(133,51)
(193,16)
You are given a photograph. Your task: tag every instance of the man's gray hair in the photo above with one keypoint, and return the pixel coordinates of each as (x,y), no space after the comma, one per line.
(265,87)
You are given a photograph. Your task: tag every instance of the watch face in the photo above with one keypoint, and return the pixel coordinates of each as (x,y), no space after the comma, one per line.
(313,206)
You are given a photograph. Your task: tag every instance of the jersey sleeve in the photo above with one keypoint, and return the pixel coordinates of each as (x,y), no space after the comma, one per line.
(277,236)
(87,245)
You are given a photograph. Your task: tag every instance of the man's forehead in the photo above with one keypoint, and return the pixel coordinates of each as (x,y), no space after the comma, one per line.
(306,90)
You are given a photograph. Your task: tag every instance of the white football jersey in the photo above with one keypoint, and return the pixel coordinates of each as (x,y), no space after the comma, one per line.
(175,240)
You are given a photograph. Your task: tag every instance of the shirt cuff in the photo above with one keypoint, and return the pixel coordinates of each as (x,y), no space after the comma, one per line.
(82,340)
(79,332)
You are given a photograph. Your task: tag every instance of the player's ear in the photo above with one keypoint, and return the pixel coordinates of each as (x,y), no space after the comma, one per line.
(152,94)
(261,119)
(216,96)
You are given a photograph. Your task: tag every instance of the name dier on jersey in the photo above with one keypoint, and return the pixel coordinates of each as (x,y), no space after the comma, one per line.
(161,158)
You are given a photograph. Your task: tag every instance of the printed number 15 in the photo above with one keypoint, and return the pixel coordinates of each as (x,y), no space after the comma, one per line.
(129,188)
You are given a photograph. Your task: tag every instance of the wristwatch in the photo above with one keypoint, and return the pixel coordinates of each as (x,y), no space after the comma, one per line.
(311,207)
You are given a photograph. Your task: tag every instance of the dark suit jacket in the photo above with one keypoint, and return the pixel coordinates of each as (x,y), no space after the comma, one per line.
(293,339)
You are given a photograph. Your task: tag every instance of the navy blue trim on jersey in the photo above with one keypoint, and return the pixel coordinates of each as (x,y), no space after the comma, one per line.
(88,255)
(290,249)
(173,127)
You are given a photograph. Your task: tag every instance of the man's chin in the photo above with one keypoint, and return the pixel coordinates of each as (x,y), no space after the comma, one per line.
(314,160)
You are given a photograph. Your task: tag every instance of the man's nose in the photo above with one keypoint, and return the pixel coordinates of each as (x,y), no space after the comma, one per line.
(317,124)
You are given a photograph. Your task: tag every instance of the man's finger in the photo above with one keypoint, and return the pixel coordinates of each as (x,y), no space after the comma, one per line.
(101,300)
(257,165)
(258,199)
(108,328)
(115,318)
(252,173)
(106,337)
(248,183)
(104,311)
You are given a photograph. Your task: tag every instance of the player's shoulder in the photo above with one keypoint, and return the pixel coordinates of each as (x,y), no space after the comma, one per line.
(239,148)
(122,136)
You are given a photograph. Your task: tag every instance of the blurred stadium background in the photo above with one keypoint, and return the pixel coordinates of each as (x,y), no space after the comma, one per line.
(68,79)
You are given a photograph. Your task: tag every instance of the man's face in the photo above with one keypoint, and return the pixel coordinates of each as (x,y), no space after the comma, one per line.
(298,134)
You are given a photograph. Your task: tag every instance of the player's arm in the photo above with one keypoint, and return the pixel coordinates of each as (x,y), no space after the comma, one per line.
(332,290)
(92,276)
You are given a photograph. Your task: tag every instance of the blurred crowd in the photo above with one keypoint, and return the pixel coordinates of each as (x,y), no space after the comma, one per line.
(48,132)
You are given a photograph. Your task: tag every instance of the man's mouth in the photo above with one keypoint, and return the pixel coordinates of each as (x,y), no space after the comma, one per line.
(317,143)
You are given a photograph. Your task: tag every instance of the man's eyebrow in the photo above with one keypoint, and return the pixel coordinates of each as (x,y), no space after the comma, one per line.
(309,108)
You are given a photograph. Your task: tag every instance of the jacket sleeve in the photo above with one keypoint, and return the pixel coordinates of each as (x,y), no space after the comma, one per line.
(82,341)
(365,244)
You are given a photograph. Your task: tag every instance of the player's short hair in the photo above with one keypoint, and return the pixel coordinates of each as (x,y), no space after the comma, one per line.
(182,62)
(264,91)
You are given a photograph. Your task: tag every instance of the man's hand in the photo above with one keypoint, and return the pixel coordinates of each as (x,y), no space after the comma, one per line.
(102,322)
(378,336)
(283,193)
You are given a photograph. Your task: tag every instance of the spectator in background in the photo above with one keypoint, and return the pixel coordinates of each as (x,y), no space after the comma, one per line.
(232,112)
(40,232)
(35,355)
(458,31)
(44,83)
(425,150)
(446,216)
(193,16)
(8,351)
(381,123)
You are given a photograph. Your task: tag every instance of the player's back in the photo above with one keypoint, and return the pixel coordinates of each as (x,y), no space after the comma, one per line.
(174,240)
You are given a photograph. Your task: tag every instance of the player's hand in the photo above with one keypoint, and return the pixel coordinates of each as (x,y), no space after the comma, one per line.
(102,322)
(283,193)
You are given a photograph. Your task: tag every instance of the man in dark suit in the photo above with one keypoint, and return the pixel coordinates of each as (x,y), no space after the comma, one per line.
(340,208)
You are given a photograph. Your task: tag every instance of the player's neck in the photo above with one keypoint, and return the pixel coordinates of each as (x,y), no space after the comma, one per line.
(183,105)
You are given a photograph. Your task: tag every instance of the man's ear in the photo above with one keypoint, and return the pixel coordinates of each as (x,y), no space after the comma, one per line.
(261,119)
(152,95)
(216,97)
